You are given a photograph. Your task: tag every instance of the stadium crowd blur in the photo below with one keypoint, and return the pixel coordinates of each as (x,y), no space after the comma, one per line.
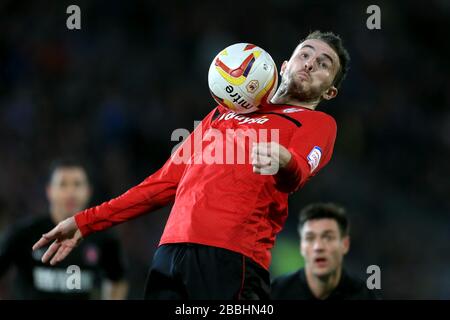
(114,91)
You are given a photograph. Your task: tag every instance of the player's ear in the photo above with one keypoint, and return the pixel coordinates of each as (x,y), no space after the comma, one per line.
(300,248)
(346,244)
(330,93)
(283,67)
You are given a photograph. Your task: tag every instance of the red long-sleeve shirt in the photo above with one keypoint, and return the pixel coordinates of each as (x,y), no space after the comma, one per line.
(223,204)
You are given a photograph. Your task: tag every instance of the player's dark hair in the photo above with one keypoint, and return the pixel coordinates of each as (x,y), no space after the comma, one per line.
(67,162)
(318,211)
(335,42)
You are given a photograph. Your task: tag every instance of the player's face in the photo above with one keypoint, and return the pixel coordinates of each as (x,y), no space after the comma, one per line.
(323,247)
(310,72)
(68,191)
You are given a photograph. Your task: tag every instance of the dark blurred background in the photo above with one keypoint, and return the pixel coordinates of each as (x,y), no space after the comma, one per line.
(114,91)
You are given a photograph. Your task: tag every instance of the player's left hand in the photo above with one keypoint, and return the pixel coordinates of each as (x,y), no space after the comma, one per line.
(65,236)
(269,157)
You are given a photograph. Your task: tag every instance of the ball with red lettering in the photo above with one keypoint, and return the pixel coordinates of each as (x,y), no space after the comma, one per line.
(242,77)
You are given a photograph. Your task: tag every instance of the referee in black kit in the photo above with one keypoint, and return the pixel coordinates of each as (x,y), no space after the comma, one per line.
(98,260)
(324,240)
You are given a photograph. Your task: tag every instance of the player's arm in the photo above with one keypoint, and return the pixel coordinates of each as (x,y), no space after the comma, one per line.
(154,192)
(309,150)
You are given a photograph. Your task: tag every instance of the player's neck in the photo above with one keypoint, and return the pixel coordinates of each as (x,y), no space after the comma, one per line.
(321,287)
(284,98)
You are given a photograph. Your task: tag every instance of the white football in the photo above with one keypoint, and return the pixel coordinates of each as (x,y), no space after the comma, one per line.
(242,77)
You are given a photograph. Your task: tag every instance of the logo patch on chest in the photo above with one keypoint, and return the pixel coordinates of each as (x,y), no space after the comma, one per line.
(291,110)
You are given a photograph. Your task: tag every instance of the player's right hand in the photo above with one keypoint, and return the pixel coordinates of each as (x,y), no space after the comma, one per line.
(66,236)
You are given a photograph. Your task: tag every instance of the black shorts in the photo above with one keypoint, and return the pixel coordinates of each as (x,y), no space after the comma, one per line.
(192,271)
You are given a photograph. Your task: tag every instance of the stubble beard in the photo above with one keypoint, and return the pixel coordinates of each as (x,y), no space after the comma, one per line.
(298,90)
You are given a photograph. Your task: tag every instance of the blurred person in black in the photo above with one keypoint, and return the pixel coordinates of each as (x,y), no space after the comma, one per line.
(324,241)
(99,258)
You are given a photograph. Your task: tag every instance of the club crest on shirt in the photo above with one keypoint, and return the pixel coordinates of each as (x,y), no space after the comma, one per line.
(291,110)
(314,158)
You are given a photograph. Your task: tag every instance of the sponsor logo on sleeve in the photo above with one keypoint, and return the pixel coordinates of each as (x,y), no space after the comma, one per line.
(314,158)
